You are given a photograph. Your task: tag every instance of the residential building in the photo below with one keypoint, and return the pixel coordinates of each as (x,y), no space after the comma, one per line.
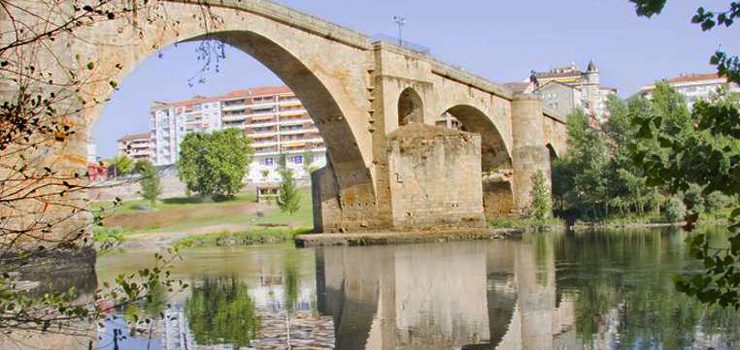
(171,121)
(695,86)
(136,146)
(566,88)
(92,151)
(272,116)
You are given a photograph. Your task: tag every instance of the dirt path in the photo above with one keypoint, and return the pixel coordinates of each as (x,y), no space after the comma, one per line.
(158,240)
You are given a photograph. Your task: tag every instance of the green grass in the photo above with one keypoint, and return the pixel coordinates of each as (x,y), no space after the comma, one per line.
(184,214)
(650,218)
(256,236)
(173,203)
(525,223)
(304,215)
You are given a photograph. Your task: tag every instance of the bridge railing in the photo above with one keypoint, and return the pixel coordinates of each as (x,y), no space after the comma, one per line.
(409,45)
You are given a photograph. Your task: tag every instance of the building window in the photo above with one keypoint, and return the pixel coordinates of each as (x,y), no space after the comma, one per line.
(298,160)
(268,161)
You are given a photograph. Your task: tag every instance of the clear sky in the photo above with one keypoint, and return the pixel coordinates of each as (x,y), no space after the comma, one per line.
(499,40)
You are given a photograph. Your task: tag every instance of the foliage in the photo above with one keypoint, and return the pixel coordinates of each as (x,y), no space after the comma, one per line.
(122,164)
(706,152)
(694,199)
(289,199)
(526,224)
(581,174)
(221,311)
(214,164)
(151,188)
(675,210)
(308,167)
(541,207)
(50,83)
(717,201)
(253,236)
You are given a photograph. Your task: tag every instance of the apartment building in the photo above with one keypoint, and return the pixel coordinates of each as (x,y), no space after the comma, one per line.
(272,116)
(136,146)
(694,87)
(278,124)
(171,121)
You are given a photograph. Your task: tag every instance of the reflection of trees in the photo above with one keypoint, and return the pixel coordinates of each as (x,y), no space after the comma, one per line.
(220,311)
(629,275)
(291,281)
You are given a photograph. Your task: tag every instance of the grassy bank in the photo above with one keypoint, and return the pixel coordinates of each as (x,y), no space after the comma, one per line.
(195,216)
(256,236)
(528,224)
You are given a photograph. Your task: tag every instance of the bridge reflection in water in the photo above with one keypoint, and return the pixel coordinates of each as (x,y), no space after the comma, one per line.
(458,295)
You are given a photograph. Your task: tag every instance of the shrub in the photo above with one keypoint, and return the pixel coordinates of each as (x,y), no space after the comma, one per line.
(541,207)
(717,201)
(694,199)
(675,210)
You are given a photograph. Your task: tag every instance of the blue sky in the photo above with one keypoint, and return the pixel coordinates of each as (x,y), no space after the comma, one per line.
(498,40)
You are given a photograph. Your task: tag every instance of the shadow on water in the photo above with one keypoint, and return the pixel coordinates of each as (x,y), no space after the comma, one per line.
(605,289)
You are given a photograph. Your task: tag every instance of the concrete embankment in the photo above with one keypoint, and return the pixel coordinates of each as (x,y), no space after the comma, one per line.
(385,238)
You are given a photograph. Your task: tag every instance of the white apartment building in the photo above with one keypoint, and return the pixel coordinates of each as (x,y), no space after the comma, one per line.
(271,116)
(171,121)
(136,146)
(278,124)
(694,86)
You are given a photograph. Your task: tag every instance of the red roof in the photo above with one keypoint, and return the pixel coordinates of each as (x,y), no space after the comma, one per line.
(129,137)
(694,78)
(256,91)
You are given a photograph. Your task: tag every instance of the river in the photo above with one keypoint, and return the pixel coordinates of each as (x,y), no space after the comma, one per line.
(590,290)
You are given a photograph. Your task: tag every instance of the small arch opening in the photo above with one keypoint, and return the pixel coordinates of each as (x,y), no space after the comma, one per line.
(410,107)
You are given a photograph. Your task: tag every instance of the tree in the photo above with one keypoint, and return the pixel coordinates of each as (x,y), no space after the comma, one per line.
(151,188)
(706,153)
(541,207)
(214,164)
(45,214)
(289,199)
(122,164)
(308,162)
(581,174)
(675,210)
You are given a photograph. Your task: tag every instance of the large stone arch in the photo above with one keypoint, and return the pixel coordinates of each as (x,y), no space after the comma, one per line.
(328,73)
(498,197)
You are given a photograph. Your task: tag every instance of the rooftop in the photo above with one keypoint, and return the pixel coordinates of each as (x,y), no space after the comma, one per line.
(239,93)
(692,78)
(138,136)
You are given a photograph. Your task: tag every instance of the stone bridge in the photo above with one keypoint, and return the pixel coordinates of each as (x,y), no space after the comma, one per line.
(374,103)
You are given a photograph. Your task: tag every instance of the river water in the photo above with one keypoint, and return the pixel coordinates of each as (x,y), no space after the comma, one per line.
(595,290)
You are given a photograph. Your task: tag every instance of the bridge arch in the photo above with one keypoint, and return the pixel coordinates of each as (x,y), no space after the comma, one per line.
(498,196)
(333,91)
(410,107)
(553,152)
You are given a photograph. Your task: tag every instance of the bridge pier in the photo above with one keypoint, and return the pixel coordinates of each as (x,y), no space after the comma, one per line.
(529,153)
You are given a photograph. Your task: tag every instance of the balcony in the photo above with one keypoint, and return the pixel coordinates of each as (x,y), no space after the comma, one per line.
(290,112)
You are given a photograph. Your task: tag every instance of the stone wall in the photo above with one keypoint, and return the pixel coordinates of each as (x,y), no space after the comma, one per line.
(497,199)
(435,178)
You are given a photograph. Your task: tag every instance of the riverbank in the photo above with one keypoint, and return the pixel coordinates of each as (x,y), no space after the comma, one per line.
(389,237)
(188,221)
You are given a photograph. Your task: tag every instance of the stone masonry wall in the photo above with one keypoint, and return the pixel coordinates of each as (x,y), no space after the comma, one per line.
(435,178)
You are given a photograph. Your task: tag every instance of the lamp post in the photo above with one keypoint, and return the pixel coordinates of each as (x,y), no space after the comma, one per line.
(400,21)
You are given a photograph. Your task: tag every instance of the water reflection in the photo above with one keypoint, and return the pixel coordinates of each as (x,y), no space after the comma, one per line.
(220,311)
(608,290)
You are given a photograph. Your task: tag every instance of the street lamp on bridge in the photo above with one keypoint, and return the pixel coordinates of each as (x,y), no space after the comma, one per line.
(400,21)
